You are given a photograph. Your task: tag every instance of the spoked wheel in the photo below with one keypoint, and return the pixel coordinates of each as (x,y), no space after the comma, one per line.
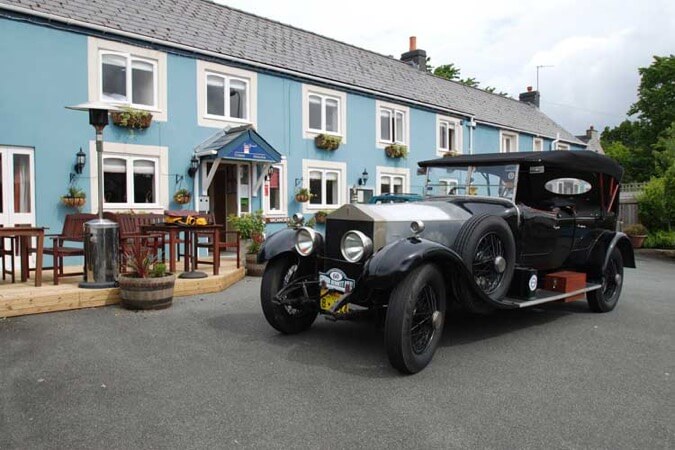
(415,319)
(284,318)
(489,263)
(488,249)
(606,298)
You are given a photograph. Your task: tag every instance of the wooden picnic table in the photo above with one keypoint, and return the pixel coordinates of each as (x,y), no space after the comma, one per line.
(25,234)
(189,241)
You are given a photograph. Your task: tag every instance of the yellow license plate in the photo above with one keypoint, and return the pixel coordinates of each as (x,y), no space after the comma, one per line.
(328,300)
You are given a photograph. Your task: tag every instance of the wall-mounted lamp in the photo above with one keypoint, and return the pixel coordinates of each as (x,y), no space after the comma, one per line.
(194,166)
(80,161)
(364,178)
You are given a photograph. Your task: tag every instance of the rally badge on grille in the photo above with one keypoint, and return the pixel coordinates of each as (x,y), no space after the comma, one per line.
(336,280)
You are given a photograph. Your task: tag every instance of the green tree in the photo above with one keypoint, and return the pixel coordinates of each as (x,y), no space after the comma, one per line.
(655,107)
(447,71)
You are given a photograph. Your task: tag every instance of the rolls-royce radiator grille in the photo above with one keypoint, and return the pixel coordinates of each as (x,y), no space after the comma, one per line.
(335,229)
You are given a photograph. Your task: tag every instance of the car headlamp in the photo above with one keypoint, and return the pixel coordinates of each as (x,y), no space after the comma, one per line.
(356,246)
(305,241)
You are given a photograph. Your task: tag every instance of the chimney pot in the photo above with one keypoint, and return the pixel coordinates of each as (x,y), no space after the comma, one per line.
(529,89)
(413,43)
(531,97)
(415,57)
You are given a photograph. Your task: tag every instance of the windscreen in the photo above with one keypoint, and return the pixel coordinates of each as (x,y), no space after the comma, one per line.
(487,181)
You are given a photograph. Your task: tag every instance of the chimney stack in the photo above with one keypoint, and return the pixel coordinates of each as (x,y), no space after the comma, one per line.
(531,97)
(415,57)
(592,133)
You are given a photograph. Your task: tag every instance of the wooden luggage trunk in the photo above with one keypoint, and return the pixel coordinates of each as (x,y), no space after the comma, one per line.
(566,281)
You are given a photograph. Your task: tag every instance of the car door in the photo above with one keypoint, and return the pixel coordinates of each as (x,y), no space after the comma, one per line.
(546,237)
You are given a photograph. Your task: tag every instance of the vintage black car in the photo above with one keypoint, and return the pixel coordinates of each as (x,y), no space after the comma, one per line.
(490,229)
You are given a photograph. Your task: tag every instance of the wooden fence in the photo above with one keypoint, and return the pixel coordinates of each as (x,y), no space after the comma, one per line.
(628,211)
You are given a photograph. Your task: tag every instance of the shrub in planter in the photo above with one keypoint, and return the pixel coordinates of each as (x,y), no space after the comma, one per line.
(396,150)
(661,239)
(320,216)
(302,195)
(148,285)
(74,198)
(327,141)
(131,118)
(637,233)
(182,196)
(251,227)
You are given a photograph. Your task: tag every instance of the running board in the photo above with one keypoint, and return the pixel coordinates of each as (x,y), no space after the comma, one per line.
(544,296)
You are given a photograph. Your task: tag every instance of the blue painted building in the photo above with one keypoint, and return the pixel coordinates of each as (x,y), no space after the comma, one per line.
(199,68)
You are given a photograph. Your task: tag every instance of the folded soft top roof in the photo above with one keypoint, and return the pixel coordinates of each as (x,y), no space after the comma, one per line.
(574,160)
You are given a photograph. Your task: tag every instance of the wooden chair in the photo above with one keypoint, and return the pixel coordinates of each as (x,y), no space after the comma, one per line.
(7,246)
(131,235)
(73,231)
(223,245)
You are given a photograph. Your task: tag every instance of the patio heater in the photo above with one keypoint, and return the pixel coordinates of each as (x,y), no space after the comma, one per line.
(101,236)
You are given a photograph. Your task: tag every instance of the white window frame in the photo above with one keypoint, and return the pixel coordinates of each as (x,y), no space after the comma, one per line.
(130,153)
(130,160)
(325,166)
(205,68)
(323,93)
(96,48)
(508,135)
(394,109)
(456,124)
(562,146)
(227,114)
(536,141)
(386,171)
(283,192)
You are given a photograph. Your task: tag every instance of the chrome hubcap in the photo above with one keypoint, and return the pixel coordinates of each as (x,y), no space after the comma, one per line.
(436,319)
(500,264)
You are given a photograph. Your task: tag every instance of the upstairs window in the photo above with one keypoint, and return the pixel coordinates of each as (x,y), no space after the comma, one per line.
(392,125)
(509,142)
(324,114)
(537,145)
(226,97)
(449,136)
(561,146)
(128,79)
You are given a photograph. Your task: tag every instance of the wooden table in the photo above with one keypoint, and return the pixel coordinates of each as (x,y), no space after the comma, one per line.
(190,248)
(25,234)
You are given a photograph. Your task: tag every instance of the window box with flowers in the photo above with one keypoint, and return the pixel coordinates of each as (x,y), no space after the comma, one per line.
(327,141)
(396,151)
(131,118)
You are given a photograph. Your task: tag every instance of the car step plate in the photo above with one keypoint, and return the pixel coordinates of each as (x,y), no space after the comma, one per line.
(544,296)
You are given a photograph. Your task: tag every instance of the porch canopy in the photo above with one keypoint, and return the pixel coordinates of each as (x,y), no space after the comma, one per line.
(242,144)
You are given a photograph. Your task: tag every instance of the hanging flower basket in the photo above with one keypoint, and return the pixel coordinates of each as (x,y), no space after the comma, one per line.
(73,202)
(131,118)
(182,197)
(320,216)
(396,151)
(327,142)
(302,195)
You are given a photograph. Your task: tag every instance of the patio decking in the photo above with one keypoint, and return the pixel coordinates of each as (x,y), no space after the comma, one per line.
(18,299)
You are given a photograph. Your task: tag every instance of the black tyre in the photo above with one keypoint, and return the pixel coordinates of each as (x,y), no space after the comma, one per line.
(286,319)
(606,298)
(415,319)
(488,249)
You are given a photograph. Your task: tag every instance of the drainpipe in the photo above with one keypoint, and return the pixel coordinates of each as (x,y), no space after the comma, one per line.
(472,126)
(555,141)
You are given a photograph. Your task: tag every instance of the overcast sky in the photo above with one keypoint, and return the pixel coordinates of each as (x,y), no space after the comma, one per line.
(594,46)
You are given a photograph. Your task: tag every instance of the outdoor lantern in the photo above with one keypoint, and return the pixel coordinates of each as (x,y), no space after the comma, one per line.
(194,166)
(81,159)
(101,242)
(364,178)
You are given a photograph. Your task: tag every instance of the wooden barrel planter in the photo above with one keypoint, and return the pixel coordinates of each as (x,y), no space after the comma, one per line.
(253,269)
(146,293)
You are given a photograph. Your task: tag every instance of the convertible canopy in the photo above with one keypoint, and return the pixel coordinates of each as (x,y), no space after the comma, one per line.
(574,160)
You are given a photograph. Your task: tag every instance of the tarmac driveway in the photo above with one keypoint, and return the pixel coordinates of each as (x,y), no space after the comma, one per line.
(210,372)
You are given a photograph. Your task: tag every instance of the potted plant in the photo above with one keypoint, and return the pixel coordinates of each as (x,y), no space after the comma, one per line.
(320,216)
(251,228)
(637,233)
(74,198)
(182,196)
(131,118)
(327,142)
(302,195)
(148,285)
(253,269)
(396,150)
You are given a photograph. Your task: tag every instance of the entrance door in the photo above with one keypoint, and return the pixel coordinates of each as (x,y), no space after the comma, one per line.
(223,193)
(17,186)
(17,190)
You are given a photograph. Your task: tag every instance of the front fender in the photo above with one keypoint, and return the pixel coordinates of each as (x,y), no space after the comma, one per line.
(394,261)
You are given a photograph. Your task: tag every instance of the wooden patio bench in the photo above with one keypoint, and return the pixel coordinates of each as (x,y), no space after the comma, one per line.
(130,234)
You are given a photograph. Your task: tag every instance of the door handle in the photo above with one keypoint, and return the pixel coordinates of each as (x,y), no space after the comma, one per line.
(581,226)
(556,227)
